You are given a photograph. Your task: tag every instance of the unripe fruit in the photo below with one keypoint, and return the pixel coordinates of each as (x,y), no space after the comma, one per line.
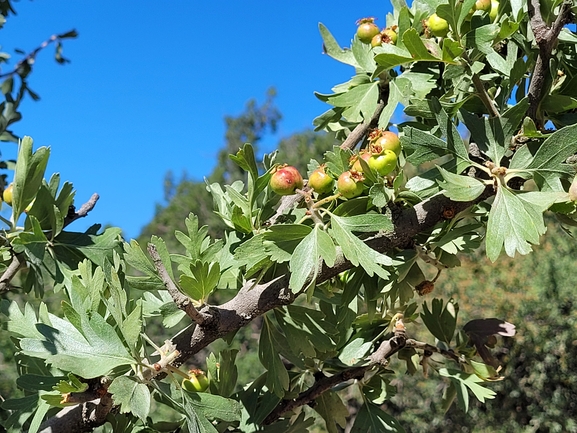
(320,181)
(196,382)
(366,30)
(494,10)
(285,180)
(383,163)
(355,164)
(389,36)
(350,184)
(573,190)
(387,140)
(438,26)
(482,5)
(7,194)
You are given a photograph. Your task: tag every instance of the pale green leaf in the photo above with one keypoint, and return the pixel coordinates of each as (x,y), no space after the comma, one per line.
(131,395)
(357,251)
(516,221)
(90,353)
(305,261)
(277,377)
(460,188)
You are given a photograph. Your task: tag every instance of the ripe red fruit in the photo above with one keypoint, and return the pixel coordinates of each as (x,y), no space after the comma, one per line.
(320,181)
(383,163)
(286,180)
(367,29)
(350,184)
(387,140)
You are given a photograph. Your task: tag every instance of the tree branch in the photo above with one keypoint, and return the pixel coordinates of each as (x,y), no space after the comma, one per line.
(183,302)
(546,38)
(323,383)
(11,271)
(254,300)
(73,215)
(80,418)
(27,61)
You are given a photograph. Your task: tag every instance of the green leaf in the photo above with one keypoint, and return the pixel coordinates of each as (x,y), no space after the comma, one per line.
(200,408)
(460,188)
(333,49)
(131,395)
(516,221)
(277,379)
(416,47)
(360,101)
(549,159)
(90,353)
(245,159)
(390,56)
(462,381)
(366,223)
(356,250)
(281,240)
(441,322)
(202,281)
(304,263)
(481,38)
(371,418)
(332,409)
(28,176)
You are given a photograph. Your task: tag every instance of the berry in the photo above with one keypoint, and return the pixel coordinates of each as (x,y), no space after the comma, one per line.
(386,36)
(354,162)
(383,163)
(320,181)
(285,180)
(366,30)
(494,10)
(350,184)
(196,382)
(387,140)
(482,5)
(7,194)
(389,36)
(438,26)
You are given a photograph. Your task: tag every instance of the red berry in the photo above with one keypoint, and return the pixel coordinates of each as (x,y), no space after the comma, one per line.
(350,184)
(320,181)
(286,180)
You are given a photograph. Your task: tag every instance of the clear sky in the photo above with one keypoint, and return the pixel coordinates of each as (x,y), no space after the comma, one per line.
(150,82)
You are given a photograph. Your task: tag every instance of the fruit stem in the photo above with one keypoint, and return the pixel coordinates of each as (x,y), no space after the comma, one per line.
(326,200)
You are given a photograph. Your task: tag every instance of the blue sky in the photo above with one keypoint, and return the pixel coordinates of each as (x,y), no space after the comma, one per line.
(150,82)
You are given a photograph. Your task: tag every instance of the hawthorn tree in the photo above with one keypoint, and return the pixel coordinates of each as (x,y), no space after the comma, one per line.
(340,280)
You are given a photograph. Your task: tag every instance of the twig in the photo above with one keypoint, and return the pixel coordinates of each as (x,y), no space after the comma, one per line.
(16,263)
(546,38)
(29,59)
(484,96)
(425,346)
(324,383)
(183,302)
(361,129)
(73,215)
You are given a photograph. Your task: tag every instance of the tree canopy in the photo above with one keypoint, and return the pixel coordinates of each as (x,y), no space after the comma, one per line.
(339,269)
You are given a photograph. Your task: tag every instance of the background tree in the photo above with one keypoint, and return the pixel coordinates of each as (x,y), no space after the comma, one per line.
(341,279)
